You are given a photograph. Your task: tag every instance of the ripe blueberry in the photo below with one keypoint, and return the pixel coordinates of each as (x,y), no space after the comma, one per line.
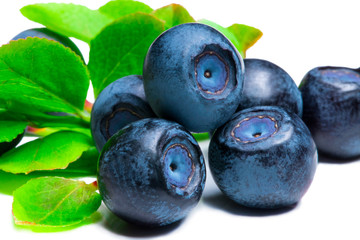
(193,75)
(264,157)
(331,97)
(121,102)
(267,84)
(151,172)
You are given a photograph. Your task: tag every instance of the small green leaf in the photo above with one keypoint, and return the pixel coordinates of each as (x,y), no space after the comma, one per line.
(55,151)
(68,19)
(127,41)
(9,130)
(42,76)
(246,35)
(242,36)
(173,14)
(54,201)
(119,8)
(227,34)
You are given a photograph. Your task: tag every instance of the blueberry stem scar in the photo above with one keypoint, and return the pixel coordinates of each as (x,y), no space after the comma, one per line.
(121,109)
(173,166)
(257,134)
(208,74)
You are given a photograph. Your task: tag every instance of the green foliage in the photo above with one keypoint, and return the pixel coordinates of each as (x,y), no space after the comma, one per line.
(246,36)
(79,21)
(127,41)
(41,76)
(119,8)
(242,36)
(10,130)
(55,151)
(54,201)
(173,14)
(43,85)
(68,19)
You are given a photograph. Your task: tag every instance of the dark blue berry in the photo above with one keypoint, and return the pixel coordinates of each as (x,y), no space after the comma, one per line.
(120,103)
(193,75)
(266,84)
(151,172)
(264,157)
(331,97)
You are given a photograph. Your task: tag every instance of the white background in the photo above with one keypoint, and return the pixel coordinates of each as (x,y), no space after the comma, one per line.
(298,36)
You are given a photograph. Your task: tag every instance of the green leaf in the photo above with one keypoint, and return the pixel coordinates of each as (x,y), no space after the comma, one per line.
(54,201)
(86,164)
(9,130)
(55,151)
(127,41)
(247,36)
(242,36)
(68,19)
(42,76)
(173,14)
(227,34)
(201,136)
(119,8)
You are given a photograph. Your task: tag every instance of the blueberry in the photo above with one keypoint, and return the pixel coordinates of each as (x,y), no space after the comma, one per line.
(331,97)
(48,34)
(121,102)
(266,84)
(151,172)
(7,146)
(264,157)
(193,75)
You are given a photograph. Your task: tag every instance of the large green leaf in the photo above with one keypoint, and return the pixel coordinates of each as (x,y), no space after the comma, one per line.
(42,76)
(173,14)
(68,19)
(55,151)
(54,201)
(119,8)
(9,130)
(127,41)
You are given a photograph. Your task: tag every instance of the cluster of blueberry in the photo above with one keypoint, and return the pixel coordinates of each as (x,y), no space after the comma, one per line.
(152,171)
(265,131)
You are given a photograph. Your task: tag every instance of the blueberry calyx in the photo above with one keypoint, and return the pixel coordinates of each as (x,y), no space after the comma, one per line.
(255,128)
(179,166)
(120,115)
(214,78)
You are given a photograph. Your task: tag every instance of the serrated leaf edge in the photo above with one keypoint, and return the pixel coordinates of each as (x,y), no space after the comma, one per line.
(43,170)
(77,111)
(27,223)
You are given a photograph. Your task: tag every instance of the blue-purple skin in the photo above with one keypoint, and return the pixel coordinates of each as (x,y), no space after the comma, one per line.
(266,84)
(193,75)
(48,34)
(151,173)
(331,97)
(264,157)
(7,146)
(120,103)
